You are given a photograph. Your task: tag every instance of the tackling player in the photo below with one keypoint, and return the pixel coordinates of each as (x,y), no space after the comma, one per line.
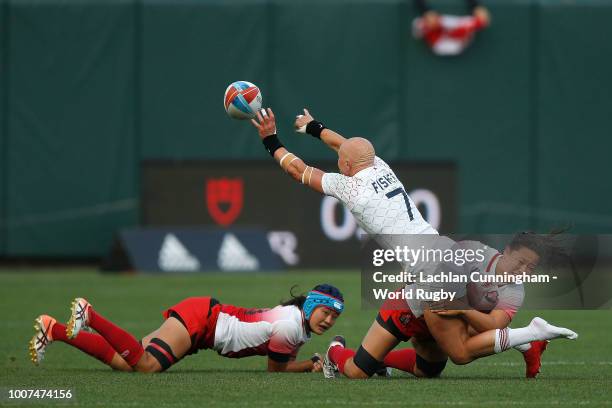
(199,323)
(378,201)
(492,306)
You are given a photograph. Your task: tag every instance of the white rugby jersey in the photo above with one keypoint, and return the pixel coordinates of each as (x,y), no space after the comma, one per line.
(243,332)
(377,200)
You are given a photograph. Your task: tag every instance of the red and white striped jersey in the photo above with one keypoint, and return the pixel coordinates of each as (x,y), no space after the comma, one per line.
(243,332)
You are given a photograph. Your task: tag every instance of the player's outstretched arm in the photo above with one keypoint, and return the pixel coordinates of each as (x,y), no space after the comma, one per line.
(293,165)
(307,124)
(313,365)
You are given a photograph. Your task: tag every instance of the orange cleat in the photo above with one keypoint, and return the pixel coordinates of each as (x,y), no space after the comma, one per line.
(42,338)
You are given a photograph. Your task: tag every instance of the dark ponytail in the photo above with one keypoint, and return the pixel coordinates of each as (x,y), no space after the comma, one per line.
(552,247)
(295,300)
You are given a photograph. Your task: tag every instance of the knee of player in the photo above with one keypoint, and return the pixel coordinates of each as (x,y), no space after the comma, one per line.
(147,364)
(354,372)
(365,365)
(358,375)
(429,369)
(460,357)
(119,364)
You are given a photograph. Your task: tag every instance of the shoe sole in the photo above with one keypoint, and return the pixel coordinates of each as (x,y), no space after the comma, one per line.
(71,331)
(535,375)
(32,345)
(327,363)
(326,373)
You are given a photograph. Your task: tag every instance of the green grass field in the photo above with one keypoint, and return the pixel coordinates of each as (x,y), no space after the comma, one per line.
(574,373)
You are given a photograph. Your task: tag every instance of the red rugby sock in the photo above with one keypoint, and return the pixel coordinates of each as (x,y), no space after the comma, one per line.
(403,359)
(90,343)
(123,342)
(339,355)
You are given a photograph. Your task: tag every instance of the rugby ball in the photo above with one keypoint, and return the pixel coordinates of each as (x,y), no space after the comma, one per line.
(242,100)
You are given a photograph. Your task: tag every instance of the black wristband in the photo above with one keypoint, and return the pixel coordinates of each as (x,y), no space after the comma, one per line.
(314,359)
(272,144)
(314,128)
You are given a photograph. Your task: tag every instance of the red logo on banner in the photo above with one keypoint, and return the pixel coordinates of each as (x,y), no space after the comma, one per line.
(224,197)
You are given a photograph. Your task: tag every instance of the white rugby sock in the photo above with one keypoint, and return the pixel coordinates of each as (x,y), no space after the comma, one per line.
(523,347)
(507,338)
(538,329)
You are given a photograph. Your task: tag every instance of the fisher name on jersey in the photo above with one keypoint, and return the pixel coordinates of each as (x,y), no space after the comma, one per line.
(377,200)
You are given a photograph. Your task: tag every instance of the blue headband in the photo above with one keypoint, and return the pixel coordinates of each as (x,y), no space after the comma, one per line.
(316,299)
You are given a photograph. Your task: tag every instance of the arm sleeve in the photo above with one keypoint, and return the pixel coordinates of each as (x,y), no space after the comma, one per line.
(330,183)
(338,185)
(511,298)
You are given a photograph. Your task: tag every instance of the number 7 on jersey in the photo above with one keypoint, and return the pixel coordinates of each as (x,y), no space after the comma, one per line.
(400,190)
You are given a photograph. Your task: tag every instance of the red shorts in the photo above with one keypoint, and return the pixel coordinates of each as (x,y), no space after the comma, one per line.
(199,316)
(397,318)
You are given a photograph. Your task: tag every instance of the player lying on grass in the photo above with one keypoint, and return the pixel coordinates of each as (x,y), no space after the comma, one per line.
(199,323)
(371,191)
(491,307)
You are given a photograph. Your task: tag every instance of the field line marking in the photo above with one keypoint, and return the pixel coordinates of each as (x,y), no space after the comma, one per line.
(560,362)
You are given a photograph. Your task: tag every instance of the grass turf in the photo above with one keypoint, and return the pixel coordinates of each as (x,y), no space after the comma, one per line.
(574,373)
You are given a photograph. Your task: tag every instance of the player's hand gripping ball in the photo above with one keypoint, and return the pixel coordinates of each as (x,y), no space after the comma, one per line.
(242,100)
